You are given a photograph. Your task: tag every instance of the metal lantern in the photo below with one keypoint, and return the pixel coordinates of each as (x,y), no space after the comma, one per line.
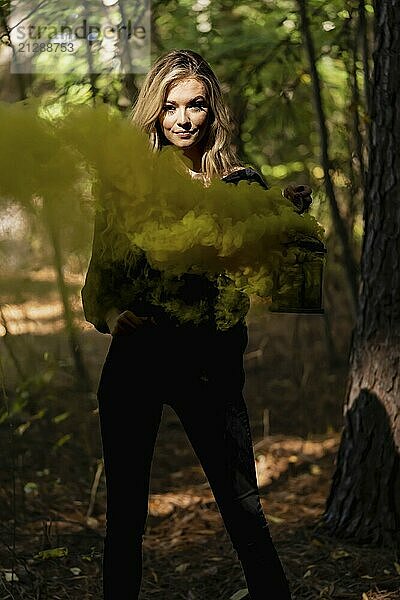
(298,285)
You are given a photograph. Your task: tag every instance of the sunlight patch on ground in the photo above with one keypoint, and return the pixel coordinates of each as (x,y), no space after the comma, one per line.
(39,318)
(164,504)
(26,312)
(275,456)
(33,317)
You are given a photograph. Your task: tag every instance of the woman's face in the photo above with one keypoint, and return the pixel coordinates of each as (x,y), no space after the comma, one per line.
(185,113)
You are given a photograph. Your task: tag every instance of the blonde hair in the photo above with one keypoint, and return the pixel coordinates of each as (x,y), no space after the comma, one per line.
(219,158)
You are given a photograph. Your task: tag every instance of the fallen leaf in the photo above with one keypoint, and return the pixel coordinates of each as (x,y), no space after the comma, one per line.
(316,542)
(336,554)
(92,522)
(52,553)
(239,594)
(155,576)
(210,570)
(182,567)
(315,470)
(205,531)
(10,576)
(274,519)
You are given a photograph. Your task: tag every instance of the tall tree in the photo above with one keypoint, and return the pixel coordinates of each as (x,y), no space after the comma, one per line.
(340,226)
(364,500)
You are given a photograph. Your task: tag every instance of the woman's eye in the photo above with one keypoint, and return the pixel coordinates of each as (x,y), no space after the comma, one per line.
(198,106)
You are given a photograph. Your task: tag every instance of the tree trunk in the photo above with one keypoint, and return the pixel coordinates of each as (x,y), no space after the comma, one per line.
(364,501)
(83,379)
(349,262)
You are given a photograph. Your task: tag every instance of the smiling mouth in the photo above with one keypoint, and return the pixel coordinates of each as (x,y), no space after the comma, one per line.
(184,133)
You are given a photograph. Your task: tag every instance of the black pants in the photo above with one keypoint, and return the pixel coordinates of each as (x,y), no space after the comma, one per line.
(200,375)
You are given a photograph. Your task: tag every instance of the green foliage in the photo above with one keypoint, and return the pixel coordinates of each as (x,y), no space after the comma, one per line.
(32,395)
(52,553)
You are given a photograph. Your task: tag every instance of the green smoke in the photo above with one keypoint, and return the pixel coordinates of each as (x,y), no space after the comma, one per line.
(244,237)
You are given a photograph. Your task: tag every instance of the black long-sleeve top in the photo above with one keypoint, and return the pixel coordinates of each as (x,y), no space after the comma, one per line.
(111,283)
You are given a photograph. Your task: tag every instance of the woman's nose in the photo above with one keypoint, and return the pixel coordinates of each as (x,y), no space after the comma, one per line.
(182,118)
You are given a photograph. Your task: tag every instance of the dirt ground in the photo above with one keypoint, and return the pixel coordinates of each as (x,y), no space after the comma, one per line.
(52,489)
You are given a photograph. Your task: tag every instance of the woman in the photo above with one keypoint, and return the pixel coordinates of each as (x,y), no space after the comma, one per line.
(155,359)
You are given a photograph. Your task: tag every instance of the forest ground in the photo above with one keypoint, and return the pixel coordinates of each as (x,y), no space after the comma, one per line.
(52,490)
